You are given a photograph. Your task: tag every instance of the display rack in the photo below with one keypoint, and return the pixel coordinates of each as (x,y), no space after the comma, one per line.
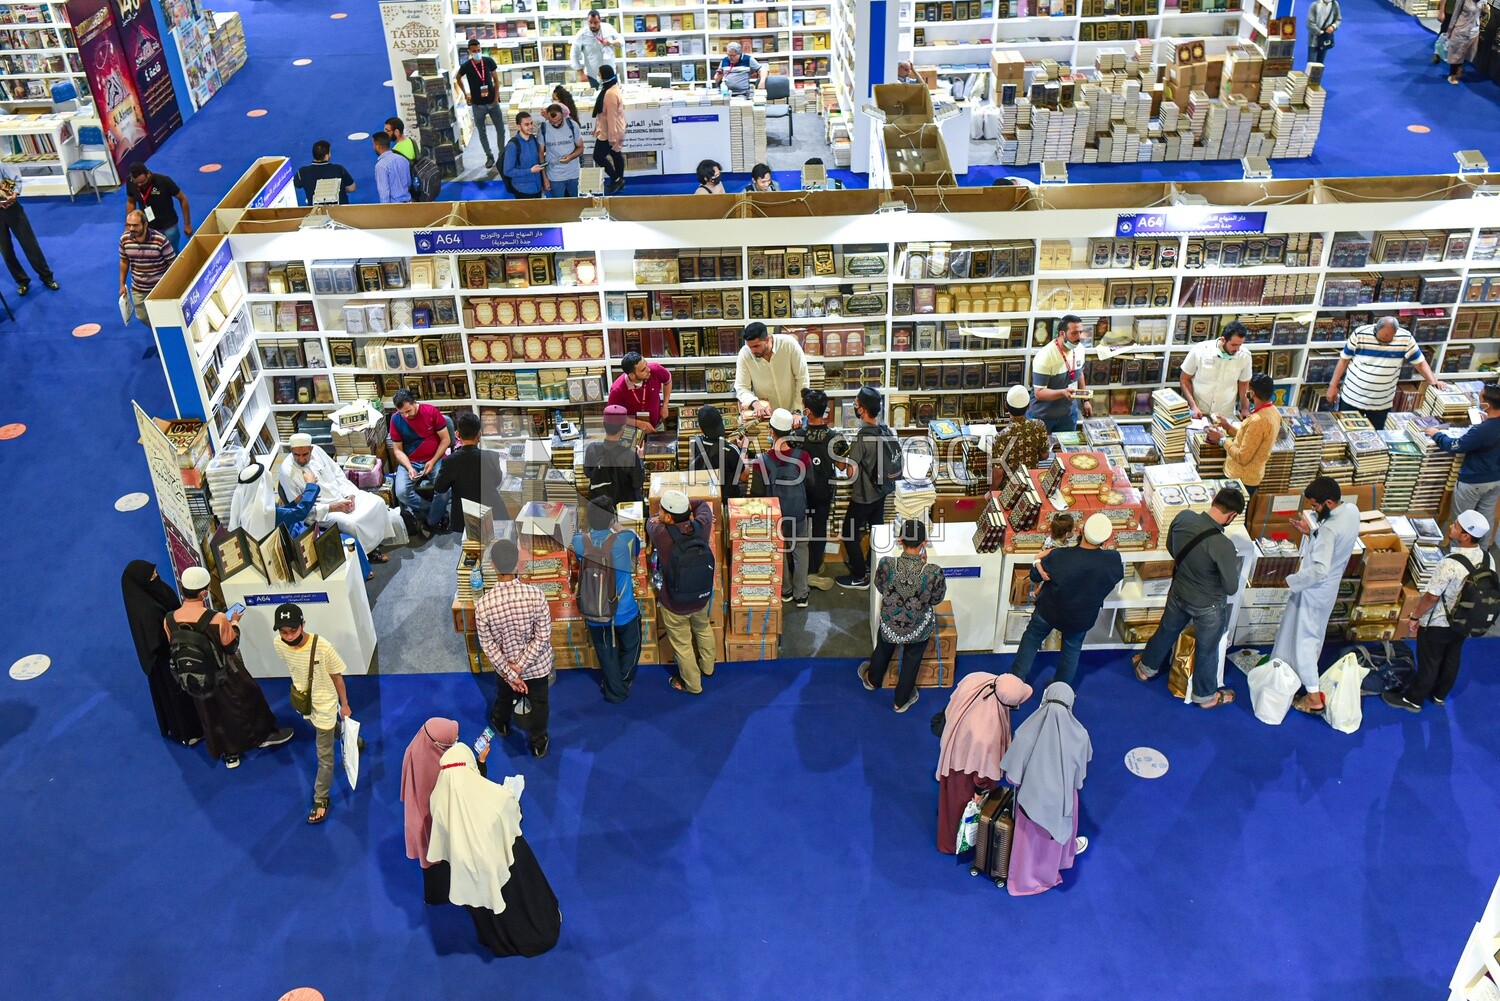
(37,50)
(942,333)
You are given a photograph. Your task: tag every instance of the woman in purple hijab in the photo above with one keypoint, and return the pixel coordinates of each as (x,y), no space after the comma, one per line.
(1047,761)
(976,733)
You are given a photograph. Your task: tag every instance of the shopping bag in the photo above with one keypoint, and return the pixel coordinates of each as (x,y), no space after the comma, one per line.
(968,829)
(1272,685)
(1440,47)
(127,308)
(351,751)
(1340,685)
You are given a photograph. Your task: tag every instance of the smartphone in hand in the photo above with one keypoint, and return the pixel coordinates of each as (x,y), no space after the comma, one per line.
(238,608)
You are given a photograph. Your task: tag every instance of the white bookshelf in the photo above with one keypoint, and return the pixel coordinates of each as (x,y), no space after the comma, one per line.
(37,50)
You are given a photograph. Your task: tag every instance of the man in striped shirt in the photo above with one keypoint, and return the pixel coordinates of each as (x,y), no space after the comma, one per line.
(1370,367)
(145,256)
(515,632)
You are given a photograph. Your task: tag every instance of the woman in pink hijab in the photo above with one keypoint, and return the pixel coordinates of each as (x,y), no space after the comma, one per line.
(419,773)
(976,734)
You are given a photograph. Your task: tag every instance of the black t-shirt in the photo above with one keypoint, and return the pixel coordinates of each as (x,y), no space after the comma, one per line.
(159,196)
(1080,581)
(481,84)
(309,175)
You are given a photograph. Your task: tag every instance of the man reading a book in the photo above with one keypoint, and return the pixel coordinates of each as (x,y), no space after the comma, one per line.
(355,512)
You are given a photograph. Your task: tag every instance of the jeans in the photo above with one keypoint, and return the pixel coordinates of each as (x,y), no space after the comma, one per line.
(505,705)
(491,112)
(174,237)
(1208,622)
(564,189)
(13,223)
(431,511)
(693,644)
(817,522)
(1065,424)
(619,650)
(911,660)
(1438,652)
(1037,631)
(795,549)
(324,782)
(857,521)
(1316,46)
(1481,497)
(610,159)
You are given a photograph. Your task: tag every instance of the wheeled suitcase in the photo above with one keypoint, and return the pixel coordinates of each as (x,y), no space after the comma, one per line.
(997,828)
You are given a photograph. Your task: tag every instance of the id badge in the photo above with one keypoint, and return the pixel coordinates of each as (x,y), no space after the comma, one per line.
(148,213)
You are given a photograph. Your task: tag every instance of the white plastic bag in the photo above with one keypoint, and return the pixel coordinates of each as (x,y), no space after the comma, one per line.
(351,751)
(395,529)
(968,829)
(1340,685)
(1272,685)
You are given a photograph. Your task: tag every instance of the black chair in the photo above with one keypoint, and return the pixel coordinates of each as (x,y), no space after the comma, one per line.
(779,88)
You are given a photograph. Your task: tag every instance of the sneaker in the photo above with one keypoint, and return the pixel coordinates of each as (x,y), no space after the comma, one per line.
(278,738)
(864,679)
(52,284)
(539,750)
(1396,701)
(820,582)
(801,602)
(489,163)
(858,583)
(786,597)
(1080,845)
(1438,701)
(23,288)
(909,702)
(231,761)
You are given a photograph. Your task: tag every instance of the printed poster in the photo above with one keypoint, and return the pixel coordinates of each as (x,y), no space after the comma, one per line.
(141,41)
(199,64)
(413,28)
(112,81)
(171,495)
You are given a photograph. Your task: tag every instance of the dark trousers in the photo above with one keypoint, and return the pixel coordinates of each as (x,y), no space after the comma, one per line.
(612,161)
(1438,651)
(14,224)
(505,706)
(1375,417)
(857,521)
(817,517)
(911,660)
(619,650)
(1317,44)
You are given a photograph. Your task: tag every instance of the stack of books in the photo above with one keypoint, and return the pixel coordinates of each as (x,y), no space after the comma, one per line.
(1208,456)
(1372,462)
(1405,467)
(1423,562)
(1170,415)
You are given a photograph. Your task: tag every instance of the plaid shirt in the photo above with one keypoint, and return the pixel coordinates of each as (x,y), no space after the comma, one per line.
(515,627)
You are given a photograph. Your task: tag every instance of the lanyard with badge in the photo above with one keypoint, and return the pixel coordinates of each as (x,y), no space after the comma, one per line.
(481,74)
(145,193)
(1068,361)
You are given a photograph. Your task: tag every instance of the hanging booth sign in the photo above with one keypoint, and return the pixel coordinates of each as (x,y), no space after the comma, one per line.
(413,29)
(171,495)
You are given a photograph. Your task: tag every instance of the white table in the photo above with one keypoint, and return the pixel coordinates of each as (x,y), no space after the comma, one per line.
(974,580)
(337,609)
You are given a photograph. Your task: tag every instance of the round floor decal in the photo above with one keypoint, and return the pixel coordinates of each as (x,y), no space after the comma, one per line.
(1419,129)
(132,502)
(301,62)
(257,113)
(30,667)
(357,136)
(210,168)
(302,994)
(86,330)
(1146,763)
(9,431)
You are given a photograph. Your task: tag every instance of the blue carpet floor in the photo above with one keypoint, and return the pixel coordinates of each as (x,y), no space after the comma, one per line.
(773,838)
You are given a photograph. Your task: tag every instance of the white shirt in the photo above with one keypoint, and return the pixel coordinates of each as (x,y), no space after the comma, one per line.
(591,52)
(1216,380)
(1447,581)
(779,381)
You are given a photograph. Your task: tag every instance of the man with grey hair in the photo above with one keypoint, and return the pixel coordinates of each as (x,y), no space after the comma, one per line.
(1370,367)
(736,68)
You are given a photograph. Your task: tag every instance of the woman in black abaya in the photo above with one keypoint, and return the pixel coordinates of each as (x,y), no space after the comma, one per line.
(148,601)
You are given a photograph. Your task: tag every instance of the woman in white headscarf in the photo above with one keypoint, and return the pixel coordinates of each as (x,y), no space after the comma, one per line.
(476,829)
(1047,761)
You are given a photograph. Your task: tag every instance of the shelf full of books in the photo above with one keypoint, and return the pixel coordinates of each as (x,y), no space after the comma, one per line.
(285,324)
(37,50)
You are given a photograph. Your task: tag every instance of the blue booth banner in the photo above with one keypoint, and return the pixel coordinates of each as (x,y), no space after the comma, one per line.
(1189,220)
(479,241)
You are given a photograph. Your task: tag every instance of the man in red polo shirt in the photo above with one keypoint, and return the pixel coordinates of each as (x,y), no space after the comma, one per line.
(419,440)
(643,389)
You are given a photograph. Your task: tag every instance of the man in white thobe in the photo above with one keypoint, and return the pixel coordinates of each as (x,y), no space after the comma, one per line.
(356,512)
(1329,532)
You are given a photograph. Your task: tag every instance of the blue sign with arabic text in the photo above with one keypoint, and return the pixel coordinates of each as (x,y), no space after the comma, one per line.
(200,290)
(296,598)
(1189,220)
(681,119)
(480,241)
(951,572)
(274,187)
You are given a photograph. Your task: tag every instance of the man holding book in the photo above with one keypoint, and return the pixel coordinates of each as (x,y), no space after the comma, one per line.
(13,223)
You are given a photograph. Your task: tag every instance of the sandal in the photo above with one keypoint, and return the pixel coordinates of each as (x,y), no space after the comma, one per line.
(319,812)
(676,682)
(378,557)
(1222,697)
(1135,662)
(1303,704)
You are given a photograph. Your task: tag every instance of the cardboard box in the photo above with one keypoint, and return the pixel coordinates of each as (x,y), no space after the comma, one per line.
(1380,593)
(701,485)
(753,518)
(958,509)
(755,621)
(916,157)
(1410,597)
(739,648)
(1265,597)
(1008,66)
(932,673)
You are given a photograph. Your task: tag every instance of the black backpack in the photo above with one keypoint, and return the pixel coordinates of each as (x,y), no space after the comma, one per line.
(785,482)
(689,576)
(426,179)
(889,464)
(1478,604)
(598,596)
(196,661)
(814,441)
